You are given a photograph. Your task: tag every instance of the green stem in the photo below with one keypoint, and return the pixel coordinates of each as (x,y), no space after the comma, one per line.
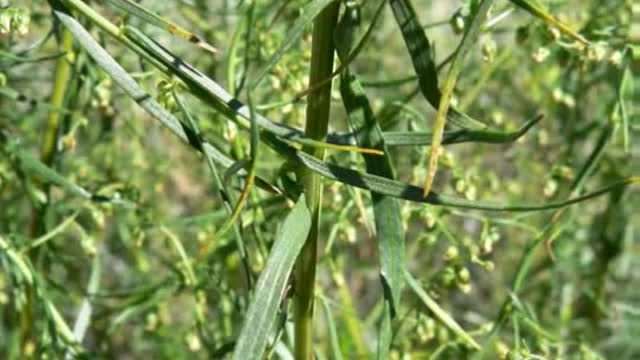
(319,103)
(50,137)
(63,72)
(47,153)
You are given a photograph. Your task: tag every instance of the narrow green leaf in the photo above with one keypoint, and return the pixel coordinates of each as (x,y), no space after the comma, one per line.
(409,192)
(86,309)
(131,88)
(154,19)
(309,12)
(470,35)
(254,141)
(262,312)
(385,333)
(331,327)
(625,99)
(537,11)
(366,181)
(408,138)
(420,50)
(23,266)
(387,211)
(440,313)
(35,167)
(53,232)
(226,195)
(552,229)
(216,96)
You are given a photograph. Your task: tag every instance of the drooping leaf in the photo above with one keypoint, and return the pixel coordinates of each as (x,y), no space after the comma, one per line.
(420,50)
(366,181)
(409,192)
(407,138)
(625,99)
(131,88)
(220,98)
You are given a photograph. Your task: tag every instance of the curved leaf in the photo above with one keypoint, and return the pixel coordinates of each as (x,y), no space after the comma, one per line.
(413,193)
(470,35)
(420,50)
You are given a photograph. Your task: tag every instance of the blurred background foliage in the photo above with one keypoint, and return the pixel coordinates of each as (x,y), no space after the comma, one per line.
(579,302)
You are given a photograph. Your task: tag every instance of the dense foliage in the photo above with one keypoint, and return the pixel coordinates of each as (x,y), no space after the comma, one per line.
(145,212)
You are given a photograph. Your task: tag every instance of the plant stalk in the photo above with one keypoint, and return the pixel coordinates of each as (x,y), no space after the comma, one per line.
(318,107)
(47,154)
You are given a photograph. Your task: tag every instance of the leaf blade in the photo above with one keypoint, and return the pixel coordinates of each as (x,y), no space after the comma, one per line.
(470,35)
(439,312)
(540,13)
(419,49)
(262,312)
(387,211)
(156,20)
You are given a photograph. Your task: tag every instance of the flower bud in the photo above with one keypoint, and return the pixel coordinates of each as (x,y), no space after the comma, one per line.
(452,253)
(21,21)
(457,23)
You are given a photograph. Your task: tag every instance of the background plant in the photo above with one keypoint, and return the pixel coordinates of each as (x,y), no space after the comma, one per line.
(122,238)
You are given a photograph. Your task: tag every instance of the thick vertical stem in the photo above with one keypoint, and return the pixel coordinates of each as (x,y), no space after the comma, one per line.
(319,103)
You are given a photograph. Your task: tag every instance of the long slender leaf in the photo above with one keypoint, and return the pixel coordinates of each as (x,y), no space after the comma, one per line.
(386,209)
(385,333)
(86,309)
(439,312)
(625,99)
(131,87)
(366,181)
(409,138)
(261,315)
(154,19)
(387,212)
(470,35)
(420,50)
(537,11)
(227,104)
(221,99)
(413,193)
